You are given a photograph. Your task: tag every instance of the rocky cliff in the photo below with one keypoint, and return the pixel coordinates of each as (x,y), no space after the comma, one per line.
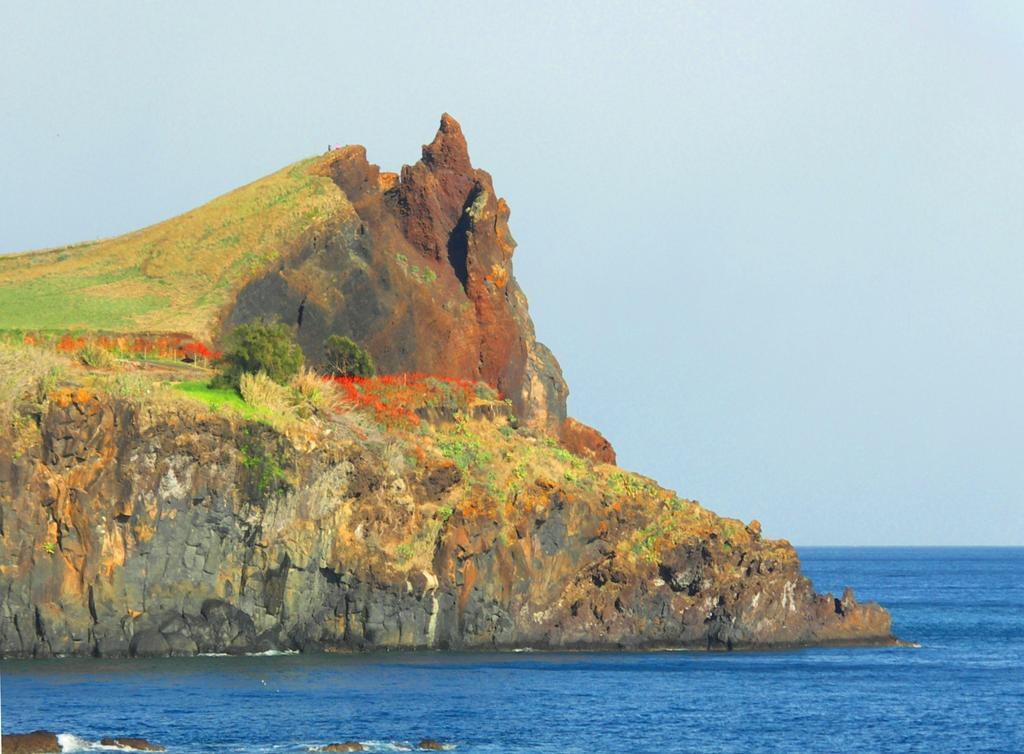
(158,527)
(418,268)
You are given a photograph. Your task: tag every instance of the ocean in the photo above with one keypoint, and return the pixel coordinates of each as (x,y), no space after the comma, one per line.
(961,690)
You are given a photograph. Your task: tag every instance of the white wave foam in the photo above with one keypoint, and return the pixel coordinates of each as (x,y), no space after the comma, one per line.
(373,746)
(69,742)
(272,653)
(385,746)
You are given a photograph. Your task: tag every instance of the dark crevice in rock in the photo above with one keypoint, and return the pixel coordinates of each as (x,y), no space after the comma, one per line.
(458,241)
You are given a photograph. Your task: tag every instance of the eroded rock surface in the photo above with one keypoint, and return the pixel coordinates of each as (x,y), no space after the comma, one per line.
(129,529)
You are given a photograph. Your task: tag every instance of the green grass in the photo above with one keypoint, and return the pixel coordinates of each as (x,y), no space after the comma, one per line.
(175,276)
(216,397)
(65,303)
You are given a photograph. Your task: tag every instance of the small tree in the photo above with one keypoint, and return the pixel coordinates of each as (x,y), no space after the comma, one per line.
(346,358)
(257,347)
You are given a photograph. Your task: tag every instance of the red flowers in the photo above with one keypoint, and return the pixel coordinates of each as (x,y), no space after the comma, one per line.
(171,347)
(395,398)
(195,351)
(69,344)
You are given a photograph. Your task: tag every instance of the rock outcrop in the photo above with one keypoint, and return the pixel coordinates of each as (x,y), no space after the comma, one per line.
(36,742)
(417,267)
(143,529)
(584,440)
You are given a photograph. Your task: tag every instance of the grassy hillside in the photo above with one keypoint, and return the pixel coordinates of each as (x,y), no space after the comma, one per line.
(171,277)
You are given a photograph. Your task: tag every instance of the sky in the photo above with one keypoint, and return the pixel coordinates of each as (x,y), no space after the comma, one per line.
(777,248)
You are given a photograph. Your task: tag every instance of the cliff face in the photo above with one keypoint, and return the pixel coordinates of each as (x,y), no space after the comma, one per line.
(151,529)
(152,525)
(417,267)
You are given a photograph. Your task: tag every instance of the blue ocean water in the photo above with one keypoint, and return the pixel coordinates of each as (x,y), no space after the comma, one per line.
(962,690)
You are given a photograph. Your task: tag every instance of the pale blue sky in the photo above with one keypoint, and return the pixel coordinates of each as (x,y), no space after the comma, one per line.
(776,247)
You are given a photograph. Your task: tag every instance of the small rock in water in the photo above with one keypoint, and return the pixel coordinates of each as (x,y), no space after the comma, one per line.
(431,744)
(139,744)
(344,746)
(36,742)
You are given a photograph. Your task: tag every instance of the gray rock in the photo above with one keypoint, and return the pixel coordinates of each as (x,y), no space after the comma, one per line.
(149,643)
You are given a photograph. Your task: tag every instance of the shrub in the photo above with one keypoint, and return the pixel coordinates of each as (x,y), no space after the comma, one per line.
(261,392)
(27,373)
(468,452)
(129,386)
(485,392)
(267,347)
(313,390)
(346,358)
(94,356)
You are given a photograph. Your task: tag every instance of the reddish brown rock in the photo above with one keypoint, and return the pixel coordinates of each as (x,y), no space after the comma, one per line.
(584,440)
(36,742)
(420,273)
(432,195)
(431,745)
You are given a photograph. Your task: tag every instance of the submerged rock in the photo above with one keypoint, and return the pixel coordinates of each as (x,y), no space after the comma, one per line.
(344,746)
(138,744)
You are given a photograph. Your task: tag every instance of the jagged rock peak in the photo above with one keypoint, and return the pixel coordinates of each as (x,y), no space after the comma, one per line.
(448,150)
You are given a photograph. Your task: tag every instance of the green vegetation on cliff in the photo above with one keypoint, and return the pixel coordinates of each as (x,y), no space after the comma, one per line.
(260,347)
(413,423)
(400,511)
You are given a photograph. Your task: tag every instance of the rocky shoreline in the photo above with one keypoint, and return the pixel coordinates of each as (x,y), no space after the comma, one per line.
(131,529)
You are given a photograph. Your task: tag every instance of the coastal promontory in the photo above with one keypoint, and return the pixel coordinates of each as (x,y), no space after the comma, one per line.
(445,501)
